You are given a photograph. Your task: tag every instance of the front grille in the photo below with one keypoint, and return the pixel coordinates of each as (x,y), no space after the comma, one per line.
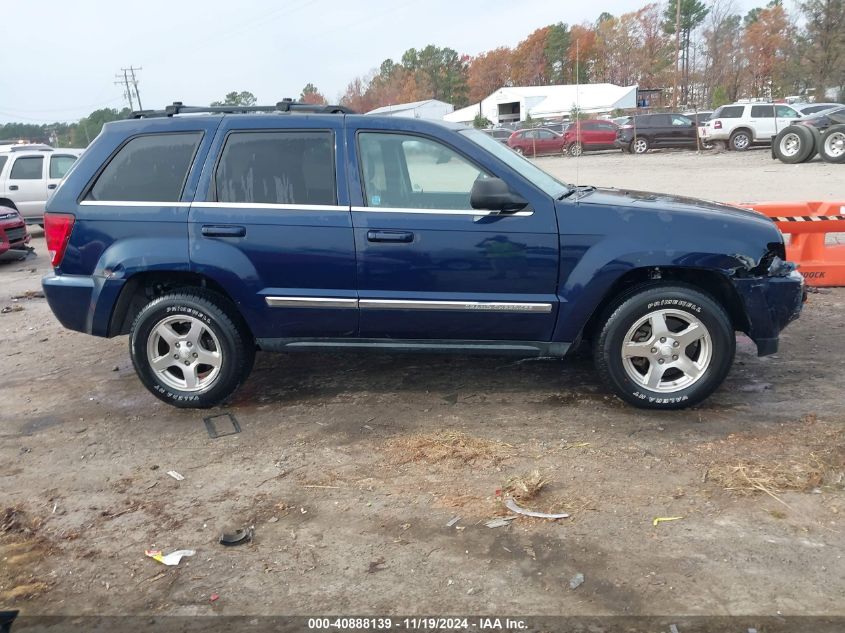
(16,234)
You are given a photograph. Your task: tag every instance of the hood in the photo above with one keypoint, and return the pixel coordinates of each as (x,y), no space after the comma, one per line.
(665,203)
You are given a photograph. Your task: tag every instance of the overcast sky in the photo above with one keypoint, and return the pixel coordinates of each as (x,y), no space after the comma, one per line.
(60,57)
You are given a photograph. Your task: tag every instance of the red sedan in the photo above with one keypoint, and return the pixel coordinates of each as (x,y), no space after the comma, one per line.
(588,135)
(13,234)
(536,141)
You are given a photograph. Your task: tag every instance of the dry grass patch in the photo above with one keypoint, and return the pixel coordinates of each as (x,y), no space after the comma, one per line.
(446,446)
(524,488)
(797,458)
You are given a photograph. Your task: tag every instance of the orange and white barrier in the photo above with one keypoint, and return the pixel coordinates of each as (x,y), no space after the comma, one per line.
(807,223)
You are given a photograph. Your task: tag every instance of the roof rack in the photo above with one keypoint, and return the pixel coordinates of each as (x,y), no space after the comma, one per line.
(286,105)
(27,147)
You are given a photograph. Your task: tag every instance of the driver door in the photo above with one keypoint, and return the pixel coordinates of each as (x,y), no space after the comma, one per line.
(431,267)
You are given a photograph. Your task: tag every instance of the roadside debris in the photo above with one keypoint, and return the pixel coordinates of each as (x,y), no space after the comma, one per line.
(170,559)
(525,487)
(452,521)
(576,581)
(238,537)
(12,308)
(658,520)
(499,522)
(511,505)
(29,294)
(214,597)
(175,475)
(225,422)
(376,565)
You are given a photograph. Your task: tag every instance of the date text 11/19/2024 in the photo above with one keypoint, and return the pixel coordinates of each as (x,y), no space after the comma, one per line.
(417,624)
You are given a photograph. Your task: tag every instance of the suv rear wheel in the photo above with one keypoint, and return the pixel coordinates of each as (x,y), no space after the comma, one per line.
(740,140)
(665,347)
(575,149)
(189,350)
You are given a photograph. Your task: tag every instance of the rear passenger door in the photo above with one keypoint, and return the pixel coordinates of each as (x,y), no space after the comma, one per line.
(763,122)
(271,224)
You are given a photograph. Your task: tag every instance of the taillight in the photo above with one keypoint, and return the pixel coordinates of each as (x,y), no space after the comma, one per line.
(57,228)
(717,125)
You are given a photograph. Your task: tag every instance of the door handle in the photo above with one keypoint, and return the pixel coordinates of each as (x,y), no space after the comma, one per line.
(390,236)
(224,231)
(51,186)
(13,187)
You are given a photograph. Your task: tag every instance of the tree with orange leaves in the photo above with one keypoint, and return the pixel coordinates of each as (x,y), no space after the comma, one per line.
(488,72)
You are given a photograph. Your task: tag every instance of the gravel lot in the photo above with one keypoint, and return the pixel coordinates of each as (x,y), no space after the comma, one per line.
(350,467)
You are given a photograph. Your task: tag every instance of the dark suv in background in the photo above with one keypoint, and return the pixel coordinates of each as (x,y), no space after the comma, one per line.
(646,131)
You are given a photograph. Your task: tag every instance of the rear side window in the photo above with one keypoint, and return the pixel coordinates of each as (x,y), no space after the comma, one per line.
(728,112)
(59,165)
(284,167)
(27,168)
(149,168)
(762,112)
(3,160)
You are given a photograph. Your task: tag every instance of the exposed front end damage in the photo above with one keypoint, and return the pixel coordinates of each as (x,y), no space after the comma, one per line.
(772,293)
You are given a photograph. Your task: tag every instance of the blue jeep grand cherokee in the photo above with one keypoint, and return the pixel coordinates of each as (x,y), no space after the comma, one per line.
(209,236)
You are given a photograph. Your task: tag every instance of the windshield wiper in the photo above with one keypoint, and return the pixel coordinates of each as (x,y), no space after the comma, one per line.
(580,190)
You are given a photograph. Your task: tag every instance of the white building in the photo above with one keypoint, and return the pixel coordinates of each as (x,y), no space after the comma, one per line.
(515,103)
(428,109)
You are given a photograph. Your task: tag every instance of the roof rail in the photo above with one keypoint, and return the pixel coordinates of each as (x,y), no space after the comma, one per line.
(286,105)
(28,147)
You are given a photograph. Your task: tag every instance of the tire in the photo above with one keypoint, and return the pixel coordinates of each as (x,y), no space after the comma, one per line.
(192,325)
(640,145)
(575,149)
(794,144)
(690,372)
(519,151)
(740,140)
(832,146)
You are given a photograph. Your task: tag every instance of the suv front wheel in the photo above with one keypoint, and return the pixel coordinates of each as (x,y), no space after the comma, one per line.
(665,347)
(189,349)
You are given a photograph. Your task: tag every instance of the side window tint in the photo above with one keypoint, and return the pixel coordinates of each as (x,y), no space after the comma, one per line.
(59,165)
(681,120)
(3,160)
(412,172)
(728,112)
(27,168)
(786,112)
(283,167)
(149,168)
(762,112)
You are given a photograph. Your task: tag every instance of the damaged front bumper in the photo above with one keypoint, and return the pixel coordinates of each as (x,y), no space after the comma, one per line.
(771,303)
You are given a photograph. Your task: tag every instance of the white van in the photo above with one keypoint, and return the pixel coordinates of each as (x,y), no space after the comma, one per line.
(29,174)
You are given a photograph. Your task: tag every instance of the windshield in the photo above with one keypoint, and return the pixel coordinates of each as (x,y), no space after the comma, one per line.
(549,184)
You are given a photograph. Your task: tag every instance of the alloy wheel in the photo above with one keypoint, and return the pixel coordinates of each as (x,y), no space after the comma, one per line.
(184,353)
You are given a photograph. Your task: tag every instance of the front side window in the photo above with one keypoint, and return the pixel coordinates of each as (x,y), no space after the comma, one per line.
(413,172)
(786,112)
(278,167)
(149,168)
(681,121)
(59,165)
(27,168)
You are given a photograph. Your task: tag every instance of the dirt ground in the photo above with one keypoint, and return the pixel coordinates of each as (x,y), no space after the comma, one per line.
(349,467)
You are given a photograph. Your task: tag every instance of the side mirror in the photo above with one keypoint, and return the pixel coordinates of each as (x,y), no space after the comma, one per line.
(494,194)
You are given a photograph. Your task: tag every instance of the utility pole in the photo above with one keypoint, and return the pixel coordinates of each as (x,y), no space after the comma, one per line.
(125,84)
(134,80)
(677,52)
